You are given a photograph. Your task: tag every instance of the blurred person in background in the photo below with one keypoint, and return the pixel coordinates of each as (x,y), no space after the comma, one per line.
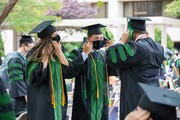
(15,62)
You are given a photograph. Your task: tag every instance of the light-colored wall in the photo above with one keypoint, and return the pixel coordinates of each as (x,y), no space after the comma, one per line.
(128,9)
(7,36)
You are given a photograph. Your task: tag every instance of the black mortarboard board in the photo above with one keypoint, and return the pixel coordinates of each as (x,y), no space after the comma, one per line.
(138,23)
(26,38)
(160,102)
(94,29)
(44,29)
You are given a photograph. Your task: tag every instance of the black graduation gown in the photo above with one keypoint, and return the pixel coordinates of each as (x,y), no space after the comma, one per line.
(137,62)
(39,94)
(16,75)
(82,101)
(4,75)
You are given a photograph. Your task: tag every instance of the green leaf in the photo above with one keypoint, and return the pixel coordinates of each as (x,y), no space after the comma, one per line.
(28,13)
(173,8)
(100,3)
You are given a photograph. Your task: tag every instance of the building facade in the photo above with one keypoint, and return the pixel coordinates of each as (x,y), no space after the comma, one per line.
(113,13)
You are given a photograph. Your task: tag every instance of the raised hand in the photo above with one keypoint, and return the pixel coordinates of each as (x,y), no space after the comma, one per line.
(87,47)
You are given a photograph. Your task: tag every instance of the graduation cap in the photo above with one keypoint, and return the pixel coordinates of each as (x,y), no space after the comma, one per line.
(160,102)
(26,38)
(138,23)
(44,29)
(94,29)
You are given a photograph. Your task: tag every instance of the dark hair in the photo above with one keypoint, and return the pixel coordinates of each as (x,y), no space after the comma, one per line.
(25,43)
(140,32)
(25,40)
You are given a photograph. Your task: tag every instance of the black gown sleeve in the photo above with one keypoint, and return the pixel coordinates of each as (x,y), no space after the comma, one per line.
(121,56)
(76,63)
(18,86)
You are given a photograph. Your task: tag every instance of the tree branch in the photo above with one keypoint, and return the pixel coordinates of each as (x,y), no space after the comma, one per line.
(7,9)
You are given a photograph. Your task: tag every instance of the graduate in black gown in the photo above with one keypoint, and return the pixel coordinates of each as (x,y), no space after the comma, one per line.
(138,60)
(91,93)
(16,74)
(47,97)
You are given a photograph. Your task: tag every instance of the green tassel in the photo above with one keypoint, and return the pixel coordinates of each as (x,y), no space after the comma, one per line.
(129,50)
(131,31)
(122,53)
(113,55)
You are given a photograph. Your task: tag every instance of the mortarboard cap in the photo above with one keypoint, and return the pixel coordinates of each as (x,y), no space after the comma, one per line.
(94,29)
(44,29)
(138,23)
(160,102)
(26,38)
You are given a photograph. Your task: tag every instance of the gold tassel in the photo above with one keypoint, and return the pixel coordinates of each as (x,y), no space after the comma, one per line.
(63,94)
(53,101)
(52,88)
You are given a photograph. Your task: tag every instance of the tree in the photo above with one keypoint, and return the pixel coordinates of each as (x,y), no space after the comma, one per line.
(173,8)
(72,9)
(28,13)
(170,43)
(1,46)
(6,10)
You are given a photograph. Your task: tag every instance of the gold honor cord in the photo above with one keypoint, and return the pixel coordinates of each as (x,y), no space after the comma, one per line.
(52,88)
(63,95)
(95,70)
(108,94)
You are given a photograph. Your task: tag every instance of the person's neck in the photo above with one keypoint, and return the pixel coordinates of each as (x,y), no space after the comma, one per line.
(22,51)
(141,36)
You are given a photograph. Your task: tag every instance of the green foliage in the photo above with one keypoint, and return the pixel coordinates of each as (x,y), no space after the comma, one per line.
(158,35)
(28,13)
(173,8)
(1,46)
(69,46)
(100,3)
(2,4)
(170,43)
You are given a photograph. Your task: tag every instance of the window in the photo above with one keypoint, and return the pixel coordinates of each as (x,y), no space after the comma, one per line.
(143,8)
(102,11)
